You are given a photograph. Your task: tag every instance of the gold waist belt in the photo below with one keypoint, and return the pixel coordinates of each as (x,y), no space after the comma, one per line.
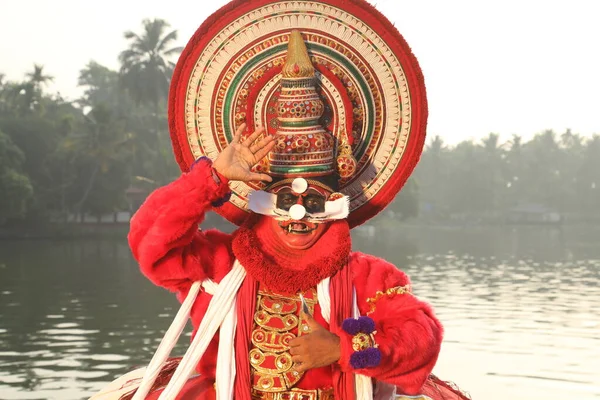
(295,394)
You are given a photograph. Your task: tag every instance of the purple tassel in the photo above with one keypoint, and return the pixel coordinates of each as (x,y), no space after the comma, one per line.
(351,326)
(361,325)
(368,358)
(367,325)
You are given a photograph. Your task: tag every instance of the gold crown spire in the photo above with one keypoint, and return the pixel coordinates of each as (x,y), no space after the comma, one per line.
(303,148)
(298,64)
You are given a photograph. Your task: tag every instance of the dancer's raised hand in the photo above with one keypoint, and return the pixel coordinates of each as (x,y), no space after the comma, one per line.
(235,162)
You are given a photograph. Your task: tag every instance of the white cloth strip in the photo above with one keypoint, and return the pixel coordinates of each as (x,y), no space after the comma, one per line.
(209,286)
(224,299)
(225,373)
(334,209)
(324,298)
(167,343)
(262,202)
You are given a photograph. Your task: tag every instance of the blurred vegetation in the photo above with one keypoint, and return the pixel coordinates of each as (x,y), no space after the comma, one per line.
(61,158)
(482,181)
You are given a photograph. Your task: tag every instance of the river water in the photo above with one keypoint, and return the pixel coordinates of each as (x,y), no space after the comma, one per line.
(520,306)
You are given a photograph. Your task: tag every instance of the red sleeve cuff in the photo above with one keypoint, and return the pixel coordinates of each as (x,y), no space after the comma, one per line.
(216,184)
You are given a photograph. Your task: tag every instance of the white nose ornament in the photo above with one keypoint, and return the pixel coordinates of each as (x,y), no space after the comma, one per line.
(297,212)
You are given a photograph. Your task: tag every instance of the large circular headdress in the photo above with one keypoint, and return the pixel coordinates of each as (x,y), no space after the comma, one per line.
(369,82)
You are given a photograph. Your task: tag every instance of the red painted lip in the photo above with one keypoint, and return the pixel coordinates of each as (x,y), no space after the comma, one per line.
(298,227)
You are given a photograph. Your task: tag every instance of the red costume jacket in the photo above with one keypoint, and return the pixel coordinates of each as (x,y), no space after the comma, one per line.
(173,253)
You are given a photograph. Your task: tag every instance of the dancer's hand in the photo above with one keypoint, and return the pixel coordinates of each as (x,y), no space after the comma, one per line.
(236,161)
(317,349)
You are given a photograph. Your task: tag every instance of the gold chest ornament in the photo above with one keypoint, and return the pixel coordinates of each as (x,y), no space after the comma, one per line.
(278,320)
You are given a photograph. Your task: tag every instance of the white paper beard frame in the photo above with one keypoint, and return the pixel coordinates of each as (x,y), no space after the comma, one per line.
(265,203)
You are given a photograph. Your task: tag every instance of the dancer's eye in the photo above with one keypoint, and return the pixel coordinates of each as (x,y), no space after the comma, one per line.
(314,203)
(286,200)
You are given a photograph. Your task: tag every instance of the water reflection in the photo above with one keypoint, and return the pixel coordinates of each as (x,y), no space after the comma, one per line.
(521,309)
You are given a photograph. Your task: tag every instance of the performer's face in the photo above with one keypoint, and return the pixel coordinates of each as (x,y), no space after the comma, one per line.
(300,234)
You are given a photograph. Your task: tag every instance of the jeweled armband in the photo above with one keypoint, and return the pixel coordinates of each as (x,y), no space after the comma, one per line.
(366,354)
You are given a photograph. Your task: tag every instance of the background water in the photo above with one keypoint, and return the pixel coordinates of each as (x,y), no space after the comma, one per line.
(521,309)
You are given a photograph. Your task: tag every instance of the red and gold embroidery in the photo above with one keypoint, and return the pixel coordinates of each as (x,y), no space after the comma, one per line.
(277,319)
(389,292)
(296,394)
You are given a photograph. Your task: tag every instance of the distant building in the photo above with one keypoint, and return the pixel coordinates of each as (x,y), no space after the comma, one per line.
(533,214)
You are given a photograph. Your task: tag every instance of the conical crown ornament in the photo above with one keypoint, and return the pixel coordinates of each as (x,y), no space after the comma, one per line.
(303,147)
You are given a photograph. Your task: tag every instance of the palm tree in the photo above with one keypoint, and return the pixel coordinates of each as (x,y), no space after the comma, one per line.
(493,167)
(516,143)
(146,66)
(572,156)
(462,183)
(101,86)
(3,93)
(544,174)
(37,77)
(28,94)
(97,148)
(515,167)
(435,150)
(589,177)
(146,70)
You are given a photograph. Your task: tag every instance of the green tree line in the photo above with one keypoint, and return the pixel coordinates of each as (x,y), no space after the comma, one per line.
(484,180)
(61,158)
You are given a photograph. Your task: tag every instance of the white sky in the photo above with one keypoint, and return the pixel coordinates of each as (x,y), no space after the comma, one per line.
(509,66)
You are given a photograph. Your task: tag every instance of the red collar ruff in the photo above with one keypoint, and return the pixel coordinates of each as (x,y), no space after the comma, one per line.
(270,263)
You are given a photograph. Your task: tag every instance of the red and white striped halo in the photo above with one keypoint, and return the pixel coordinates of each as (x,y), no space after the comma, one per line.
(368,78)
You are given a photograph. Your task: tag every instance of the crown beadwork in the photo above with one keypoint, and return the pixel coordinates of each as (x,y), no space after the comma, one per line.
(303,147)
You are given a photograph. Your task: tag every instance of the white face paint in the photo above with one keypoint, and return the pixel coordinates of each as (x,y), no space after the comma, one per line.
(297,212)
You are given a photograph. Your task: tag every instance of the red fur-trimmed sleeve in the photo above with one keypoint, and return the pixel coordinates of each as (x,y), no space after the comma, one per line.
(408,334)
(164,235)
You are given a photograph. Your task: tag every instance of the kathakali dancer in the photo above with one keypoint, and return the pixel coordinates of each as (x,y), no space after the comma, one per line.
(297,121)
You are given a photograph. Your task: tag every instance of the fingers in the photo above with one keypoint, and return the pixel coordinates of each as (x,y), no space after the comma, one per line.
(258,177)
(296,342)
(299,365)
(302,368)
(300,355)
(312,324)
(253,137)
(261,153)
(238,133)
(262,143)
